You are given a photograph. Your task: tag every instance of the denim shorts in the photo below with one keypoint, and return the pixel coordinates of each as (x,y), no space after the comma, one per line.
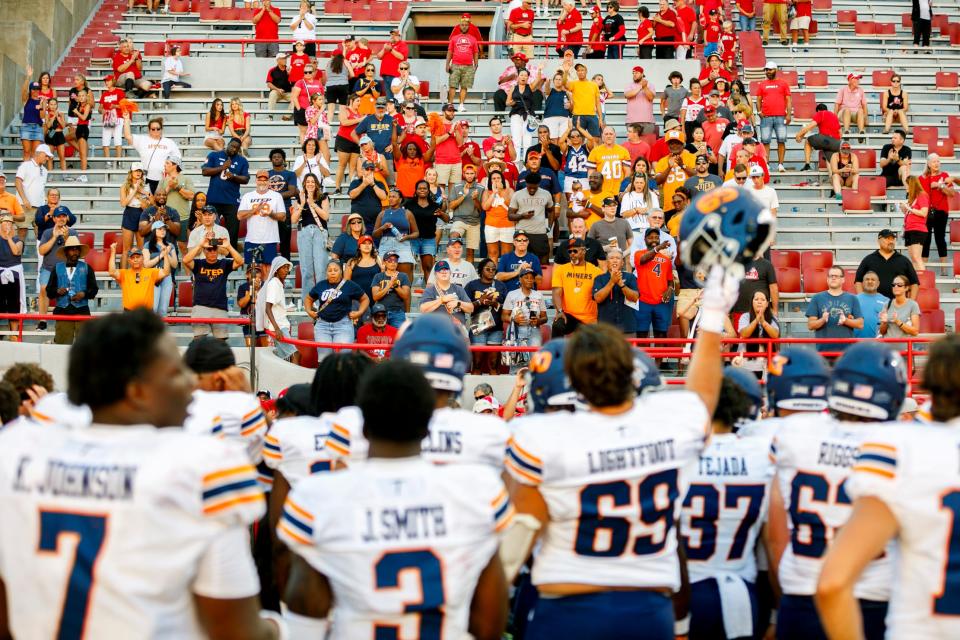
(31,131)
(424,246)
(44,277)
(284,350)
(493,336)
(658,315)
(771,126)
(590,123)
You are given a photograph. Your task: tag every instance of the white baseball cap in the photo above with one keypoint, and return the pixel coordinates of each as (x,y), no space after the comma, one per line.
(136,166)
(44,149)
(770,65)
(756,171)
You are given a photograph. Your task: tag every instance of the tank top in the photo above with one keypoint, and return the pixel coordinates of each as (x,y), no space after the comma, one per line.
(894,102)
(556,105)
(363,278)
(398,218)
(31,112)
(307,218)
(345,130)
(841,164)
(217,124)
(575,163)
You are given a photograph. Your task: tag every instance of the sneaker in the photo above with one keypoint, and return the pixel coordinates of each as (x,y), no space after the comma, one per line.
(781,168)
(766,42)
(82,178)
(42,325)
(287,118)
(806,167)
(462,108)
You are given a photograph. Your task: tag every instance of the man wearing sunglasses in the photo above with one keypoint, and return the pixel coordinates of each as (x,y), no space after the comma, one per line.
(740,176)
(210,284)
(136,282)
(393,57)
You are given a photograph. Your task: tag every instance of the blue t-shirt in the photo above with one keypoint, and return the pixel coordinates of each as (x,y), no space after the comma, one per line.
(614,309)
(223,191)
(846,303)
(345,247)
(380,131)
(43,224)
(210,282)
(509,262)
(871,304)
(280,181)
(548,180)
(341,301)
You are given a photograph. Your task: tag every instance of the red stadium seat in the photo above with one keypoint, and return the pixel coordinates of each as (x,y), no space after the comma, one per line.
(294,247)
(932,321)
(298,278)
(956,264)
(804,105)
(333,6)
(849,281)
(154,49)
(876,186)
(865,28)
(546,283)
(816,78)
(86,237)
(98,259)
(424,88)
(546,333)
(788,279)
(179,6)
(822,5)
(308,355)
(886,29)
(751,50)
(925,134)
(928,299)
(948,80)
(927,279)
(785,258)
(906,20)
(846,17)
(939,20)
(943,148)
(184,294)
(955,231)
(210,14)
(184,47)
(881,79)
(109,237)
(816,260)
(397,9)
(956,319)
(954,201)
(953,127)
(855,201)
(955,35)
(790,77)
(814,280)
(867,158)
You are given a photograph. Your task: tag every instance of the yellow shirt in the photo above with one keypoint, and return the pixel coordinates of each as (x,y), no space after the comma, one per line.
(585,96)
(596,199)
(138,294)
(612,163)
(577,285)
(675,178)
(10,203)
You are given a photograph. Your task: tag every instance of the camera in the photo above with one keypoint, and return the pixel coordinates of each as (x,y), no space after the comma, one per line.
(216,242)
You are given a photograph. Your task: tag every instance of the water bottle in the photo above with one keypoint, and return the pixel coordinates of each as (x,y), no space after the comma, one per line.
(396,233)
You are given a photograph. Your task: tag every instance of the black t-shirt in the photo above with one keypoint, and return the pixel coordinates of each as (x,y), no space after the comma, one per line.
(475,288)
(280,79)
(611,25)
(595,252)
(426,220)
(210,282)
(887,269)
(758,276)
(891,168)
(367,204)
(552,149)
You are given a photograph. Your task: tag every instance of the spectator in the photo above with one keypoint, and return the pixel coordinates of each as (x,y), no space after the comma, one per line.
(887,263)
(391,289)
(610,160)
(519,25)
(844,170)
(31,183)
(691,107)
(31,117)
(586,109)
(702,180)
(673,170)
(916,221)
(759,323)
(901,317)
(137,283)
(716,103)
(44,218)
(302,94)
(638,201)
(572,286)
(366,193)
(227,170)
(284,182)
(654,270)
(759,277)
(153,149)
(272,310)
(921,15)
(524,312)
(531,209)
(774,103)
(595,251)
(894,105)
(463,55)
(611,231)
(548,178)
(444,296)
(112,125)
(238,124)
(159,245)
(304,25)
(363,266)
(940,187)
(348,242)
(549,153)
(646,35)
(522,116)
(311,211)
(173,72)
(310,162)
(896,159)
(380,128)
(471,28)
(739,178)
(335,317)
(462,271)
(834,313)
(465,205)
(710,30)
(266,26)
(613,292)
(447,158)
(727,155)
(686,28)
(377,331)
(800,23)
(851,103)
(208,229)
(775,10)
(403,84)
(597,47)
(10,204)
(54,122)
(640,94)
(411,167)
(355,54)
(210,277)
(179,191)
(425,210)
(262,208)
(614,30)
(748,16)
(128,69)
(298,61)
(635,145)
(871,304)
(215,121)
(13,282)
(827,138)
(278,81)
(159,211)
(134,198)
(766,194)
(486,323)
(512,264)
(556,114)
(392,56)
(667,31)
(569,28)
(508,80)
(497,138)
(72,284)
(499,228)
(337,83)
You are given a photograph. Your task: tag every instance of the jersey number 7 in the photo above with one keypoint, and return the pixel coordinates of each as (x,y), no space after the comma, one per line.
(91,530)
(710,515)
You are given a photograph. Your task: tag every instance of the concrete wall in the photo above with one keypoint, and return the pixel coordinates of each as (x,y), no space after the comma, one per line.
(36,33)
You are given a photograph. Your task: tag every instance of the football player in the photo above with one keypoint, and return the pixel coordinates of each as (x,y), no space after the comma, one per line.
(723,514)
(905,487)
(550,389)
(125,529)
(395,546)
(814,454)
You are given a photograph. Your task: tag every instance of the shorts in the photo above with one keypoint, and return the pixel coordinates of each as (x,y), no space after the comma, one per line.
(213,135)
(10,295)
(389,242)
(469,232)
(338,94)
(771,126)
(449,173)
(798,619)
(491,336)
(539,245)
(821,142)
(82,132)
(688,303)
(116,133)
(590,123)
(131,218)
(569,180)
(915,237)
(343,145)
(423,246)
(498,234)
(706,609)
(461,76)
(659,315)
(44,277)
(219,330)
(269,252)
(31,131)
(800,23)
(603,616)
(55,138)
(246,328)
(300,117)
(284,350)
(556,124)
(266,49)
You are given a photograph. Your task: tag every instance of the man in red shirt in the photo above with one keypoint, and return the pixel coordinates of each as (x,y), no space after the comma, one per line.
(775,10)
(773,104)
(353,53)
(391,55)
(520,24)
(710,73)
(688,32)
(665,23)
(265,27)
(827,138)
(128,69)
(377,331)
(570,28)
(713,127)
(635,145)
(446,156)
(463,57)
(470,152)
(748,15)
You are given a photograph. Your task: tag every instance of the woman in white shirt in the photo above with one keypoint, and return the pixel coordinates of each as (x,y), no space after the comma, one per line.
(173,73)
(304,25)
(153,148)
(636,203)
(311,161)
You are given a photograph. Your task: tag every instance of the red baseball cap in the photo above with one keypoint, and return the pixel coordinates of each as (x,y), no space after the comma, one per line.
(521,55)
(365,239)
(465,16)
(709,109)
(638,68)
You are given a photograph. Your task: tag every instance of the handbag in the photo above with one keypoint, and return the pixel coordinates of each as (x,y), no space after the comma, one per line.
(532,121)
(482,322)
(511,339)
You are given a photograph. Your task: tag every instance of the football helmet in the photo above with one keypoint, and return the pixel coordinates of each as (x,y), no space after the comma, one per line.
(646,374)
(870,381)
(725,226)
(549,385)
(797,380)
(436,345)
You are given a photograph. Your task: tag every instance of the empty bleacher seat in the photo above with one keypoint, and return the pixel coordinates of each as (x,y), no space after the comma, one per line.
(932,321)
(955,231)
(865,28)
(814,280)
(846,17)
(928,299)
(876,186)
(867,158)
(546,283)
(927,279)
(881,79)
(788,279)
(154,49)
(86,237)
(855,201)
(97,259)
(924,134)
(785,258)
(109,237)
(956,264)
(804,104)
(184,293)
(849,281)
(943,148)
(815,78)
(308,355)
(816,260)
(947,80)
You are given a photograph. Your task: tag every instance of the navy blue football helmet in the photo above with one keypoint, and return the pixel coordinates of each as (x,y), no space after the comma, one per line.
(869,381)
(749,385)
(797,380)
(549,385)
(724,226)
(646,374)
(436,345)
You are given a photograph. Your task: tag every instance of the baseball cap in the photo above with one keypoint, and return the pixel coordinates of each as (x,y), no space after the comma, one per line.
(157,225)
(533,154)
(381,102)
(483,405)
(573,242)
(391,254)
(524,272)
(713,94)
(756,171)
(845,146)
(850,76)
(395,30)
(519,55)
(134,166)
(673,136)
(442,265)
(3,176)
(45,149)
(263,172)
(746,128)
(887,233)
(369,165)
(749,141)
(365,139)
(34,85)
(520,232)
(365,238)
(378,308)
(702,160)
(419,121)
(280,55)
(770,65)
(455,237)
(6,217)
(672,123)
(717,56)
(60,211)
(177,160)
(465,16)
(609,200)
(208,354)
(135,252)
(638,69)
(709,109)
(209,209)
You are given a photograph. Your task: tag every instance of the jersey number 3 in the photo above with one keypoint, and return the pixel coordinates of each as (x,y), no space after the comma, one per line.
(91,530)
(430,608)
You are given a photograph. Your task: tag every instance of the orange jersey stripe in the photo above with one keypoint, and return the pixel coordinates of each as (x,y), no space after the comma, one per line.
(219,475)
(257,497)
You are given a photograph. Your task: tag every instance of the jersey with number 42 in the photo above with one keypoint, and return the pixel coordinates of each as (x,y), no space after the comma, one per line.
(915,471)
(814,454)
(613,487)
(111,530)
(402,542)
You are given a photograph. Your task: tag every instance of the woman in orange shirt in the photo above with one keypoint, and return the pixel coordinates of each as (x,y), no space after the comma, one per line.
(368,89)
(498,228)
(410,168)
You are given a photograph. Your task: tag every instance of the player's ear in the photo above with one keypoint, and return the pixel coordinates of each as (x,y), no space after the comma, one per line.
(219,381)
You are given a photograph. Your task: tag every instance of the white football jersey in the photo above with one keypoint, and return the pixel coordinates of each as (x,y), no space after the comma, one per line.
(402,542)
(613,486)
(56,408)
(915,470)
(117,527)
(229,414)
(295,447)
(725,507)
(345,441)
(814,454)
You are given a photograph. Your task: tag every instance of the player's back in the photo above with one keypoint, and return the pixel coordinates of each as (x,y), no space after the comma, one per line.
(295,447)
(235,415)
(465,437)
(814,454)
(402,541)
(613,487)
(115,526)
(915,471)
(725,507)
